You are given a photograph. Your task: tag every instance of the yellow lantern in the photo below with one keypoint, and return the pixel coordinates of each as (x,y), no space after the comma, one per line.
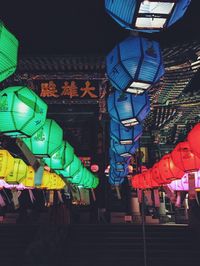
(6,163)
(28,181)
(56,182)
(18,173)
(45,180)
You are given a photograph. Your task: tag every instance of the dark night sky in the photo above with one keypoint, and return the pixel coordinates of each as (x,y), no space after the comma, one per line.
(79,26)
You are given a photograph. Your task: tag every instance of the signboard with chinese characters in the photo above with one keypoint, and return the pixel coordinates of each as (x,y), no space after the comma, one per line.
(68,89)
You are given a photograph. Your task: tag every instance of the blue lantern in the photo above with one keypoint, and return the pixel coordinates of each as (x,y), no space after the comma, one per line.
(146,15)
(114,180)
(124,135)
(135,65)
(128,109)
(123,150)
(118,159)
(119,167)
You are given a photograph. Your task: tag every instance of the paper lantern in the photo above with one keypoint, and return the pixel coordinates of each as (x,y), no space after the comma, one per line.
(182,184)
(123,150)
(61,158)
(47,140)
(194,139)
(6,163)
(146,15)
(118,174)
(18,173)
(168,170)
(149,181)
(124,135)
(45,180)
(8,53)
(28,181)
(55,182)
(72,169)
(94,168)
(117,158)
(128,109)
(119,167)
(184,158)
(138,182)
(22,112)
(157,176)
(115,180)
(135,65)
(79,176)
(95,182)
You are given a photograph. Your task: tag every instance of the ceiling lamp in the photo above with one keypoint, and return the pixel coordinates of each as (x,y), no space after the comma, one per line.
(184,158)
(194,139)
(47,140)
(124,135)
(124,150)
(18,173)
(61,158)
(135,65)
(22,112)
(6,163)
(128,109)
(8,53)
(146,15)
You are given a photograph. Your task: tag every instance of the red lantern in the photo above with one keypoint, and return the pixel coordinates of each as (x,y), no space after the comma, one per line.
(94,168)
(184,158)
(149,180)
(157,175)
(168,170)
(137,181)
(194,139)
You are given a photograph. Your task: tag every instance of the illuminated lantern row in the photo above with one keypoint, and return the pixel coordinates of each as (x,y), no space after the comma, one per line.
(51,181)
(119,167)
(24,110)
(123,150)
(144,180)
(135,65)
(127,109)
(8,53)
(72,169)
(6,163)
(146,15)
(115,180)
(47,140)
(62,158)
(124,135)
(173,166)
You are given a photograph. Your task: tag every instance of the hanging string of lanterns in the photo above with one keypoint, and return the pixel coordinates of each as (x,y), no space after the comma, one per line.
(172,166)
(133,67)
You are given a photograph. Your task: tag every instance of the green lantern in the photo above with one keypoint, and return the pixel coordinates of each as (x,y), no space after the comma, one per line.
(22,112)
(72,169)
(95,182)
(47,140)
(61,158)
(8,53)
(78,177)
